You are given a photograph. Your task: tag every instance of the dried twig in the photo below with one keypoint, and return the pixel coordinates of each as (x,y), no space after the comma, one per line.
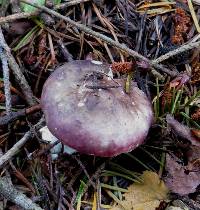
(8,191)
(85,171)
(20,176)
(17,72)
(13,151)
(104,38)
(187,200)
(4,120)
(181,49)
(46,149)
(95,176)
(17,16)
(66,54)
(69,3)
(6,78)
(181,130)
(89,31)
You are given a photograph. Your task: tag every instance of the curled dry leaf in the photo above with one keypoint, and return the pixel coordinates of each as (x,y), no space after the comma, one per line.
(193,156)
(181,130)
(146,195)
(179,179)
(179,81)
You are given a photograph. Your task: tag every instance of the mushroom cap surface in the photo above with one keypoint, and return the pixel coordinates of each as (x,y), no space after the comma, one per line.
(94,120)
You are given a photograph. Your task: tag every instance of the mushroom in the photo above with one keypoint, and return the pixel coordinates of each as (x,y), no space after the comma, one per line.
(89,111)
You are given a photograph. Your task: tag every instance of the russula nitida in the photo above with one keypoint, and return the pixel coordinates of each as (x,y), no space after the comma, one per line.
(89,111)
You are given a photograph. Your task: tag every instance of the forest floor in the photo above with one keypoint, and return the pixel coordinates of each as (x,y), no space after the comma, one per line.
(159,41)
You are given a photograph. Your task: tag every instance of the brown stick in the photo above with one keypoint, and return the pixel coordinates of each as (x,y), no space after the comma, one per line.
(70,3)
(11,152)
(4,120)
(17,16)
(104,38)
(181,130)
(8,191)
(21,80)
(15,149)
(6,79)
(181,49)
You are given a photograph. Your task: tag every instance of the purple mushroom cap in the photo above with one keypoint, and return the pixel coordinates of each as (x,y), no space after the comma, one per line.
(90,112)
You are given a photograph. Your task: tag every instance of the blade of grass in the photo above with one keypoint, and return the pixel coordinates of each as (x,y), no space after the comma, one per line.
(194,17)
(152,156)
(190,119)
(187,111)
(179,101)
(119,194)
(139,161)
(26,39)
(102,205)
(79,194)
(116,199)
(94,203)
(113,173)
(124,170)
(110,187)
(128,82)
(157,148)
(192,98)
(158,98)
(163,156)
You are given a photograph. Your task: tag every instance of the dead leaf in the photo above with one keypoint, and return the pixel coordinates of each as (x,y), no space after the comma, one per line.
(156,8)
(196,133)
(193,153)
(179,81)
(146,195)
(181,130)
(193,156)
(179,180)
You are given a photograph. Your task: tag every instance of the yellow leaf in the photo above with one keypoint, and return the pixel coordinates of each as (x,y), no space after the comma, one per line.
(146,195)
(157,4)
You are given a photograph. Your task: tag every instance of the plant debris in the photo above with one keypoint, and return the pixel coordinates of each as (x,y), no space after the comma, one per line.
(146,195)
(179,179)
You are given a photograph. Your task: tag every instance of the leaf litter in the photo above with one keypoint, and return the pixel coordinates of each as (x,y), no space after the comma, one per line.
(42,42)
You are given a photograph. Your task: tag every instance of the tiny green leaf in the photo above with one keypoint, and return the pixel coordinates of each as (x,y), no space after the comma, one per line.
(57,2)
(28,8)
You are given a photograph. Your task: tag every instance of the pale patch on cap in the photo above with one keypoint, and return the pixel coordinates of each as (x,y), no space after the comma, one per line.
(96,62)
